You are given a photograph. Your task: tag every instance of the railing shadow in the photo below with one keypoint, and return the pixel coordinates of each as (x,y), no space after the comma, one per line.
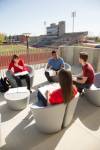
(5,111)
(26,137)
(88,114)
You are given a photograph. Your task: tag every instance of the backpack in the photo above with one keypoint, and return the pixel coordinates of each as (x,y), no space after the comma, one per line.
(4,85)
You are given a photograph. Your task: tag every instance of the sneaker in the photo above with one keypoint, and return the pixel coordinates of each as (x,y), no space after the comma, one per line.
(30,91)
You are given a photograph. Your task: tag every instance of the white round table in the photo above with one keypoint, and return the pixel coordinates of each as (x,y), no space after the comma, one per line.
(17,98)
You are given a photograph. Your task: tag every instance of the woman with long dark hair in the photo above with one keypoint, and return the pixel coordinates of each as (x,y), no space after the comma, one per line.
(62,95)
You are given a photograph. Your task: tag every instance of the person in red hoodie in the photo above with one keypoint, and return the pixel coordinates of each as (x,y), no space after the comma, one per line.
(62,95)
(17,65)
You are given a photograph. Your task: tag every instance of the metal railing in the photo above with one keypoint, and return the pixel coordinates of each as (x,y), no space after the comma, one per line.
(38,56)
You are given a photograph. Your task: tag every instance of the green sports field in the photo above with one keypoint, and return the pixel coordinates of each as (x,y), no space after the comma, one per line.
(10,48)
(18,48)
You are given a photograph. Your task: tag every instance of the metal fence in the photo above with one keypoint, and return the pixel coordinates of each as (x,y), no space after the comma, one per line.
(38,56)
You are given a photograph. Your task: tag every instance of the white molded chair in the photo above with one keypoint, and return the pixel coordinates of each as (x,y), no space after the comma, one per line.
(93,94)
(49,119)
(70,110)
(52,118)
(67,66)
(97,80)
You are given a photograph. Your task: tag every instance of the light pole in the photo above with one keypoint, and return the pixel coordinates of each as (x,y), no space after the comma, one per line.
(73,17)
(27,44)
(45,27)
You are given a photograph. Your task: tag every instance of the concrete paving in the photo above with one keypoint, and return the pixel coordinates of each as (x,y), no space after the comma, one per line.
(18,130)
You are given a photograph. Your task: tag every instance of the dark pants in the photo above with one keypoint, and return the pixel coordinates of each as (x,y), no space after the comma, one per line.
(19,82)
(49,78)
(80,86)
(41,99)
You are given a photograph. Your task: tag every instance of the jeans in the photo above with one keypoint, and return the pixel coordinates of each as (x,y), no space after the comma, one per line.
(19,82)
(41,99)
(80,86)
(49,78)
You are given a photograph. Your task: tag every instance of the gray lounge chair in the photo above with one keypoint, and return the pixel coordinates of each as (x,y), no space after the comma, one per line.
(13,81)
(67,66)
(97,80)
(93,94)
(52,118)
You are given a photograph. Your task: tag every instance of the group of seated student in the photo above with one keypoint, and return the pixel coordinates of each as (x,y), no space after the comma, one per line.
(69,85)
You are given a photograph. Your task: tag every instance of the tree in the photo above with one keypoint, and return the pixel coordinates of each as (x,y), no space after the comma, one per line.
(2,38)
(97,39)
(9,37)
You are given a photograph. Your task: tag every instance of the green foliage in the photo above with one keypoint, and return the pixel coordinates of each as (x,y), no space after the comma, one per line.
(94,38)
(2,38)
(6,49)
(97,39)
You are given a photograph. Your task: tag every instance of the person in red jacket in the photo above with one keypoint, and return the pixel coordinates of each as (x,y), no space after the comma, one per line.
(17,66)
(62,95)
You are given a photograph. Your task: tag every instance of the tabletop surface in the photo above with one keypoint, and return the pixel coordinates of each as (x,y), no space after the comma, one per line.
(17,93)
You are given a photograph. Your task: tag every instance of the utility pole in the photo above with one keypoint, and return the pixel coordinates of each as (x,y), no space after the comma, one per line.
(27,44)
(73,17)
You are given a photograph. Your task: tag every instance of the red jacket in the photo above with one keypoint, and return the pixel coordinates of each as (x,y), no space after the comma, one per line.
(16,69)
(56,96)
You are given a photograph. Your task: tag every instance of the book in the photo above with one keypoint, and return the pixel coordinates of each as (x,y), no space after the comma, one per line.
(50,88)
(21,73)
(51,72)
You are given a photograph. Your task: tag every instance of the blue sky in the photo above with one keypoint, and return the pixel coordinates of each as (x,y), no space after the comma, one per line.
(21,16)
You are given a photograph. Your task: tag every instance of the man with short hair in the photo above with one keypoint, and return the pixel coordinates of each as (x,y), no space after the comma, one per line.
(55,63)
(86,79)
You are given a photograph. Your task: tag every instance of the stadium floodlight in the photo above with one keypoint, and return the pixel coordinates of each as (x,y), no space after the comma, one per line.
(73,17)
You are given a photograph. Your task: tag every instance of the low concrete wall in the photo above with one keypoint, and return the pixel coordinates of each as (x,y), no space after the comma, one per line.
(71,55)
(67,54)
